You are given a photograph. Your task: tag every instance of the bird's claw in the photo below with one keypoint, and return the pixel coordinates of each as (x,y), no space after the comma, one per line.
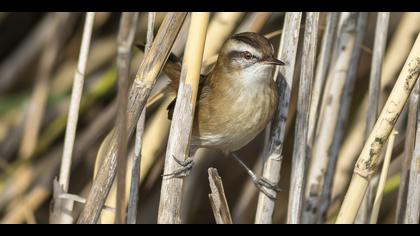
(263,184)
(186,166)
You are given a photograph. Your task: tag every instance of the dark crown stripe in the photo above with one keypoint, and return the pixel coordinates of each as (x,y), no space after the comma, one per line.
(247,40)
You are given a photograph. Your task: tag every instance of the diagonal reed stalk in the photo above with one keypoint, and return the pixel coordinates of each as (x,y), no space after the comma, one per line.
(179,136)
(284,78)
(127,31)
(38,101)
(27,50)
(139,92)
(218,200)
(253,22)
(215,36)
(373,96)
(396,53)
(368,158)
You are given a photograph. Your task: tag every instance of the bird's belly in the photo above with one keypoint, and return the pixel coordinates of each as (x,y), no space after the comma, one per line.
(241,124)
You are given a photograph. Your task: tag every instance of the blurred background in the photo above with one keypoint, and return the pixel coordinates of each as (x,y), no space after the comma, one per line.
(38,58)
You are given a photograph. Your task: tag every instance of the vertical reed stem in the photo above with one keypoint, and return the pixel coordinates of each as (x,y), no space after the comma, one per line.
(300,155)
(284,79)
(135,173)
(139,92)
(412,212)
(62,207)
(127,31)
(180,132)
(381,184)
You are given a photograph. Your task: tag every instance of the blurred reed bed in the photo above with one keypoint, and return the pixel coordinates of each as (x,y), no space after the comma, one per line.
(341,68)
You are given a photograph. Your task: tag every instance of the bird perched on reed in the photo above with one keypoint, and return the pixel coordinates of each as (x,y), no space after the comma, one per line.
(236,99)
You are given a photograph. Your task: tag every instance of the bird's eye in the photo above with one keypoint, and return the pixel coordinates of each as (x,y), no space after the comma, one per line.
(247,55)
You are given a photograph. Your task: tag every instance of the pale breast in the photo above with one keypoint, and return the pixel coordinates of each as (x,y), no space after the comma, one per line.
(231,122)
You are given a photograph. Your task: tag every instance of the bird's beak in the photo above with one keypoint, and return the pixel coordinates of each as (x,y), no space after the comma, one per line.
(273,61)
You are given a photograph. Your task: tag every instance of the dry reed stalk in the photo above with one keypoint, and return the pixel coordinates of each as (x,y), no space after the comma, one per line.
(30,201)
(410,136)
(397,51)
(218,200)
(179,44)
(344,110)
(37,102)
(399,47)
(382,179)
(54,129)
(381,34)
(321,72)
(368,159)
(284,79)
(139,91)
(101,18)
(193,184)
(13,123)
(43,172)
(101,51)
(75,102)
(154,138)
(108,217)
(329,117)
(27,50)
(412,212)
(220,28)
(254,22)
(136,162)
(241,210)
(126,33)
(179,136)
(63,208)
(300,155)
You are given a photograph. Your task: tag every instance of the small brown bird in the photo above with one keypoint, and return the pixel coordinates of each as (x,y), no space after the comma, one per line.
(236,99)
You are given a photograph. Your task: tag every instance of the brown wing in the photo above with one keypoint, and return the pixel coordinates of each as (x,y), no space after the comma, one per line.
(172,69)
(171,105)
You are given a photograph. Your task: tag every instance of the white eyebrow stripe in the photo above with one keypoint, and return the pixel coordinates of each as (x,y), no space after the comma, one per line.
(240,46)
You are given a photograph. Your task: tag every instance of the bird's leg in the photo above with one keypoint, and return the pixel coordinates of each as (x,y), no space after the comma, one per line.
(184,170)
(260,182)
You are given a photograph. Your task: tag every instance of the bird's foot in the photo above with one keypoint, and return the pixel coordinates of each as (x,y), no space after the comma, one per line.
(183,171)
(263,184)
